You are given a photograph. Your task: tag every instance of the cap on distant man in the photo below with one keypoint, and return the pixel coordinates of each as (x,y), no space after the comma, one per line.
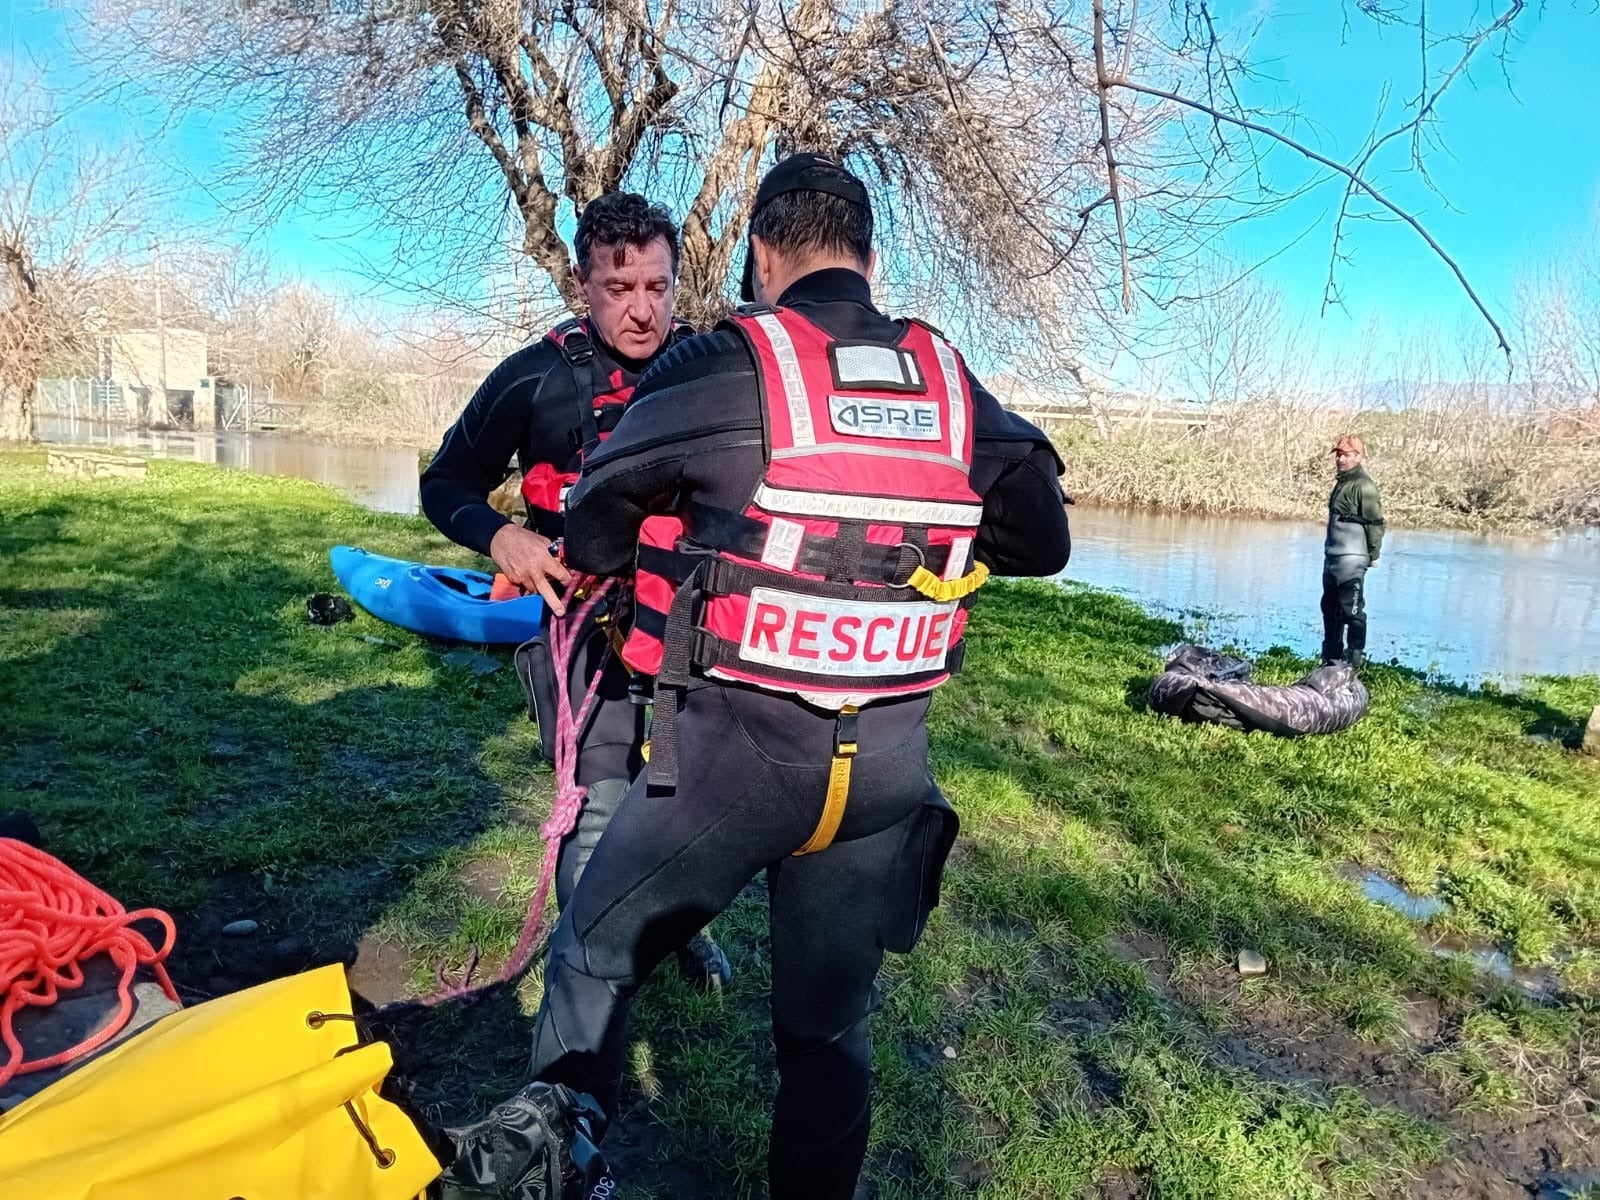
(1351,443)
(801,173)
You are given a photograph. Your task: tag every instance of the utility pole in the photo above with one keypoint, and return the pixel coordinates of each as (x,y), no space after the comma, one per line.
(161,326)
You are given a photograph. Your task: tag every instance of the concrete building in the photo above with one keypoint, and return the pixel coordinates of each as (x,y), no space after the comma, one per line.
(157,376)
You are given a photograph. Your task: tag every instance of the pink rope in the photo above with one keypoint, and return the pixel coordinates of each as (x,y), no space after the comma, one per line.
(564,641)
(569,794)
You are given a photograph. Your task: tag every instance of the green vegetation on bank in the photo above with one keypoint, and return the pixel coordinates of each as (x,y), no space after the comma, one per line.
(1447,465)
(1074,1022)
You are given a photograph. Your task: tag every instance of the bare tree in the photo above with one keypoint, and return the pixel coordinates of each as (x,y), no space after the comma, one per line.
(65,214)
(1039,164)
(1559,330)
(976,125)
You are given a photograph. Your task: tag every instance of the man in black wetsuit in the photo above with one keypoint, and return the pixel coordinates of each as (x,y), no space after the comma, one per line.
(548,405)
(844,483)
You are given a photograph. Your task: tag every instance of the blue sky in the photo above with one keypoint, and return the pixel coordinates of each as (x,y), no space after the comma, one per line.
(42,36)
(1520,169)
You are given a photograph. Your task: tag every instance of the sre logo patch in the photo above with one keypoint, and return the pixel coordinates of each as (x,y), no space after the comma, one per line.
(907,420)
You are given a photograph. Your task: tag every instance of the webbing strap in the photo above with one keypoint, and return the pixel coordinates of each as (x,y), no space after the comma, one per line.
(578,351)
(727,578)
(673,565)
(735,533)
(844,753)
(677,656)
(844,559)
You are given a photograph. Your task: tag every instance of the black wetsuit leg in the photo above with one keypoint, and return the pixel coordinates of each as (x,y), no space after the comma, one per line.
(1332,620)
(752,781)
(1344,609)
(1353,610)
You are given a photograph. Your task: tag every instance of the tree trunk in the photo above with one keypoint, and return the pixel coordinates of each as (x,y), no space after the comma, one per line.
(20,328)
(16,407)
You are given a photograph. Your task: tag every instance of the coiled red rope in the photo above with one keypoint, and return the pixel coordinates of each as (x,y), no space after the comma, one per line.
(52,920)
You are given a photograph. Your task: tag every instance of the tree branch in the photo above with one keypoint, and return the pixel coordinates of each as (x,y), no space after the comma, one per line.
(1103,83)
(1356,180)
(1425,107)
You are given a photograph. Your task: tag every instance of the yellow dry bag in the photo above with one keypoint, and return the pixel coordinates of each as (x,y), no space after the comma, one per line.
(262,1095)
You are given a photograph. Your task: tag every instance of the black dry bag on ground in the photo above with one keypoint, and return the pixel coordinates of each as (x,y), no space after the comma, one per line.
(538,1145)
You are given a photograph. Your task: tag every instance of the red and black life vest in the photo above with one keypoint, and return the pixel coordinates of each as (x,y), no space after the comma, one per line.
(845,579)
(598,408)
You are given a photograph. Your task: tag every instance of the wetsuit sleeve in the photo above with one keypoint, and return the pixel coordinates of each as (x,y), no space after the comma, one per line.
(1370,506)
(693,424)
(1017,472)
(478,449)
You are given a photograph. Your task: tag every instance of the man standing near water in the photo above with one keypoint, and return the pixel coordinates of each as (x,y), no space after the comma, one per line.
(549,405)
(1355,535)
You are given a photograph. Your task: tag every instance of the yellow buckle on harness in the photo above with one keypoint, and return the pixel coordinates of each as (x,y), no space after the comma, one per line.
(844,752)
(942,590)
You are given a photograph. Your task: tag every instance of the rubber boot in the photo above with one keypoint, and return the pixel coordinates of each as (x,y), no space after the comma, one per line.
(702,963)
(1356,658)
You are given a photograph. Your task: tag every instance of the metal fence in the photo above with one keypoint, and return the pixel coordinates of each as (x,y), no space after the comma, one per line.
(238,406)
(83,399)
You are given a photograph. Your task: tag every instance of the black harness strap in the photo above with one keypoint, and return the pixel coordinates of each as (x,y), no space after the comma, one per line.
(734,533)
(578,352)
(849,546)
(674,565)
(726,578)
(650,621)
(677,660)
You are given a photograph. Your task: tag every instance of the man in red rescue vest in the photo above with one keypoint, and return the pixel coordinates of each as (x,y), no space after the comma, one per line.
(548,405)
(834,486)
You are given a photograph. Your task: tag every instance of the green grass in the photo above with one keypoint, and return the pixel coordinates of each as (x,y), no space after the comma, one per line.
(1072,1024)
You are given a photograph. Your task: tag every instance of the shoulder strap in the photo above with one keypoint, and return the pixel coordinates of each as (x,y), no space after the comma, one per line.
(577,351)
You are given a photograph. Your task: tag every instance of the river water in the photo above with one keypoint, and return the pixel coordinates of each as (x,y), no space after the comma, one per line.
(380,477)
(1466,606)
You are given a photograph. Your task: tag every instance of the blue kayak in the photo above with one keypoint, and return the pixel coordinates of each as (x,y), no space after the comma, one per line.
(442,602)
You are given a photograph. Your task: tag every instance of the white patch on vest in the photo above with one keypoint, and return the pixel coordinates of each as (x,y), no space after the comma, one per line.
(875,364)
(783,544)
(906,420)
(834,506)
(956,566)
(794,382)
(845,637)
